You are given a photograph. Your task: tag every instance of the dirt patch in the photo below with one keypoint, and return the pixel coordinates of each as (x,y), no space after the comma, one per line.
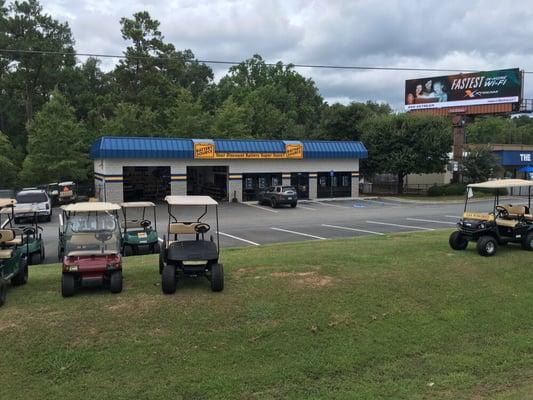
(306,279)
(142,303)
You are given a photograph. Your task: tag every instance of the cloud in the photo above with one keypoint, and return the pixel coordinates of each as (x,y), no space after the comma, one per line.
(479,34)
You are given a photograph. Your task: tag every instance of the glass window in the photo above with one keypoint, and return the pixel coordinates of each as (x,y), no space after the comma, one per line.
(31,198)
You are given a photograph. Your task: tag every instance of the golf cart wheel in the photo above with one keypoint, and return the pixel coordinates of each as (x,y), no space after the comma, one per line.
(115,282)
(217,277)
(128,251)
(457,241)
(68,285)
(293,205)
(273,202)
(22,276)
(35,258)
(169,279)
(3,293)
(487,246)
(527,244)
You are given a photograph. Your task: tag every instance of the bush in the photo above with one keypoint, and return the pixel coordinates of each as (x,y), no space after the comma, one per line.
(451,189)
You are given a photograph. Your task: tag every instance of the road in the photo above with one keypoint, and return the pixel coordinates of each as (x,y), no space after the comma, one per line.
(254,225)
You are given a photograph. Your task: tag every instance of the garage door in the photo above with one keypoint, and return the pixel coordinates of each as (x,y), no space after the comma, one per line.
(146,183)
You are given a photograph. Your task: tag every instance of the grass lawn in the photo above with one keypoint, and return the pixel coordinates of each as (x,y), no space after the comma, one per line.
(398,316)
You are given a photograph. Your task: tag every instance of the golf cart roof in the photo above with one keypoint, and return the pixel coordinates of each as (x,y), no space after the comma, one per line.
(90,206)
(137,204)
(190,201)
(501,183)
(66,183)
(7,202)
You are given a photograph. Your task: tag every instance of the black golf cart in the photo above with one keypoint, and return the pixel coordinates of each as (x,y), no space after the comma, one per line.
(185,247)
(502,224)
(139,234)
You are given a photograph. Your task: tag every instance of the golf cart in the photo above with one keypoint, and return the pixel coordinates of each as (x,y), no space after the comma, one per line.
(185,247)
(89,246)
(13,262)
(67,192)
(502,224)
(138,234)
(53,192)
(29,238)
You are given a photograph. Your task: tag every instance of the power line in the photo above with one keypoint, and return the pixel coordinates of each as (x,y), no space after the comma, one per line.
(225,62)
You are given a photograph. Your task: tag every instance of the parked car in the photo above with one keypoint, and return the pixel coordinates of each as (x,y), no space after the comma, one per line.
(36,201)
(278,195)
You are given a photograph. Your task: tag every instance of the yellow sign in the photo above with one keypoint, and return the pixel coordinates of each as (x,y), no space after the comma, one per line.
(478,216)
(207,151)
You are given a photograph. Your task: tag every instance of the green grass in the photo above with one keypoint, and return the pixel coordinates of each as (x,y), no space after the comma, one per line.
(398,316)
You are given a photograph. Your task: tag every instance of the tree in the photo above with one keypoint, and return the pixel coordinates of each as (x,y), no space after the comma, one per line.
(186,118)
(343,122)
(479,165)
(56,146)
(231,121)
(132,120)
(280,102)
(34,75)
(8,176)
(406,144)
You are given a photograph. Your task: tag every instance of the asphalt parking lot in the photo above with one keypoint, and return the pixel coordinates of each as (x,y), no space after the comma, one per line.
(254,225)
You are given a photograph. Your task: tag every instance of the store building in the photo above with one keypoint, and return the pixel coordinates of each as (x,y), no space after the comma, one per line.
(142,168)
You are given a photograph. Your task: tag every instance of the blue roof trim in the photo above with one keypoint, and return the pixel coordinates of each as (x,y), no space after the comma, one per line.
(141,147)
(334,149)
(153,147)
(249,146)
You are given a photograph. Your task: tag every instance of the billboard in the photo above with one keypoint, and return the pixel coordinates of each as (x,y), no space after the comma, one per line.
(486,87)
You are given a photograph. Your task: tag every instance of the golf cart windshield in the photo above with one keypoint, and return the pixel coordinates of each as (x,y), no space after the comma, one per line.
(92,234)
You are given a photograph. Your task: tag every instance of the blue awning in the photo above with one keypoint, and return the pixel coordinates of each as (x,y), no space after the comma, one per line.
(153,147)
(334,149)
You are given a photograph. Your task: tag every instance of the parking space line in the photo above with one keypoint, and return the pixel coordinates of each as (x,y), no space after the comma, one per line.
(239,238)
(431,220)
(352,229)
(400,226)
(330,205)
(306,208)
(299,233)
(261,208)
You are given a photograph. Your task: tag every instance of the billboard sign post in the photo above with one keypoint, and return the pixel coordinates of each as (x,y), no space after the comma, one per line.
(477,88)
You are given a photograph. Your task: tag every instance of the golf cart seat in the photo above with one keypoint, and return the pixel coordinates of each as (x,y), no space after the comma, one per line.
(6,235)
(181,228)
(509,223)
(515,211)
(17,241)
(193,250)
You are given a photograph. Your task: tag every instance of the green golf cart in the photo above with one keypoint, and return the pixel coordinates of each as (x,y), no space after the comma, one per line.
(139,233)
(28,237)
(13,262)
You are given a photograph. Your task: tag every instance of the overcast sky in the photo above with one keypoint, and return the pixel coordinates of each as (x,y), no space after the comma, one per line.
(457,34)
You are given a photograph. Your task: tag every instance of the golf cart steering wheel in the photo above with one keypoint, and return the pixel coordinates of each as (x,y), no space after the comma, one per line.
(28,230)
(502,211)
(201,228)
(145,223)
(103,236)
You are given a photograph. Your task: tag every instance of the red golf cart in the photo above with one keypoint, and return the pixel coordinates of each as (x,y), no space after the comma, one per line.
(89,245)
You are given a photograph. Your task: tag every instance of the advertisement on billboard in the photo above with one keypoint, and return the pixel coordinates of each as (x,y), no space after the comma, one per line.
(486,87)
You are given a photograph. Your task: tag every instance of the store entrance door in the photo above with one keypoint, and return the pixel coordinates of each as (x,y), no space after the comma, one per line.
(300,181)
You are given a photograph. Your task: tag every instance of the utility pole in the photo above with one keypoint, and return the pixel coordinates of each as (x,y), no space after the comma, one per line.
(458,143)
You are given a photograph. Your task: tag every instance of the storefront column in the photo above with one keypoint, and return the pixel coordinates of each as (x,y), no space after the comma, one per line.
(178,187)
(235,187)
(286,179)
(355,184)
(312,185)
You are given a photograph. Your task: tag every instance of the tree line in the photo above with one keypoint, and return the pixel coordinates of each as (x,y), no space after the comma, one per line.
(53,105)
